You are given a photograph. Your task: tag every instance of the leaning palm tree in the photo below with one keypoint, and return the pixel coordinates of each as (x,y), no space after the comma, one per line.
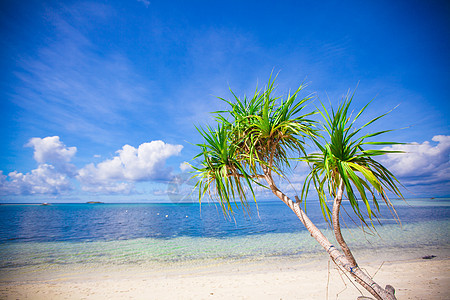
(345,165)
(257,138)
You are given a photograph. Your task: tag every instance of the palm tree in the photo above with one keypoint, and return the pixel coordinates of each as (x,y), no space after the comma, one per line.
(258,137)
(343,165)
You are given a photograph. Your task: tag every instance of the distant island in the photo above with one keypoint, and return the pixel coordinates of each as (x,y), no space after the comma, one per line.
(94,202)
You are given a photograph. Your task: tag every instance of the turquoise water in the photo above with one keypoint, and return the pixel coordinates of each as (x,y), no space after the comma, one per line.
(45,238)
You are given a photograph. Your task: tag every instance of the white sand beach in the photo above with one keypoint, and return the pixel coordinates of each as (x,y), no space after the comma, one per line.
(280,278)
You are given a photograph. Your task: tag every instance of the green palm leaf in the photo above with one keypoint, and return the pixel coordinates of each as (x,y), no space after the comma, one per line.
(341,157)
(258,133)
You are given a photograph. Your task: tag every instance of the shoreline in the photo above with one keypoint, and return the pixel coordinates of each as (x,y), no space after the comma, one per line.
(145,255)
(274,278)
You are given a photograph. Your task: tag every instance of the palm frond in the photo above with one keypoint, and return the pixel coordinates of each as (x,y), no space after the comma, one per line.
(257,133)
(341,156)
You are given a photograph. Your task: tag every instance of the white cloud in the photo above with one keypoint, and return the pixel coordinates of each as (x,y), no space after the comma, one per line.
(94,181)
(52,176)
(425,162)
(51,150)
(147,162)
(116,175)
(43,180)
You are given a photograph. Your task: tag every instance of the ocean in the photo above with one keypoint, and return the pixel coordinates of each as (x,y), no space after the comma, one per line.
(37,239)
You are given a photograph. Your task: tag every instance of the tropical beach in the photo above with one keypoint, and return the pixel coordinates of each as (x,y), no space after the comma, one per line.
(205,256)
(279,279)
(228,150)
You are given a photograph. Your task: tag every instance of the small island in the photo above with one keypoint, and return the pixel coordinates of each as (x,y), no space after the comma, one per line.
(94,202)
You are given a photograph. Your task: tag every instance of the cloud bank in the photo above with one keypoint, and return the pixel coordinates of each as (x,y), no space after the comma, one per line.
(43,180)
(422,163)
(145,163)
(423,168)
(117,175)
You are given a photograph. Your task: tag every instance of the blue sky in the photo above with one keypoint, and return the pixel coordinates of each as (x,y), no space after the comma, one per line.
(99,99)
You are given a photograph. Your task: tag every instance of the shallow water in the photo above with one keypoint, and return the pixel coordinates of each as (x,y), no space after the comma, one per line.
(39,238)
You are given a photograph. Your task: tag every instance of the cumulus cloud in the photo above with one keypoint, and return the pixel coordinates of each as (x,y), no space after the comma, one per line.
(52,151)
(52,176)
(94,181)
(43,180)
(147,162)
(422,163)
(116,175)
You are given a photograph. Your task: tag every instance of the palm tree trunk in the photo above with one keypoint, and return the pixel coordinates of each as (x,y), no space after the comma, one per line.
(337,226)
(341,260)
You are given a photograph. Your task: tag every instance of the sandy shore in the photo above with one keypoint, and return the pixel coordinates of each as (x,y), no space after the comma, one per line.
(274,279)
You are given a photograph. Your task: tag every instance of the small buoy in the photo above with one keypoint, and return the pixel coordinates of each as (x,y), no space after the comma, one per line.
(167,216)
(186,216)
(158,214)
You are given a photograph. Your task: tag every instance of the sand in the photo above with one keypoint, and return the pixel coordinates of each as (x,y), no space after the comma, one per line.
(278,278)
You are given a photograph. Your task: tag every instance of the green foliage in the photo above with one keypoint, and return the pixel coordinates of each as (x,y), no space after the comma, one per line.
(259,135)
(262,134)
(342,157)
(222,168)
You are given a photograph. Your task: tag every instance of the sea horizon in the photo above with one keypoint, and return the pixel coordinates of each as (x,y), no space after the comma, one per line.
(202,202)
